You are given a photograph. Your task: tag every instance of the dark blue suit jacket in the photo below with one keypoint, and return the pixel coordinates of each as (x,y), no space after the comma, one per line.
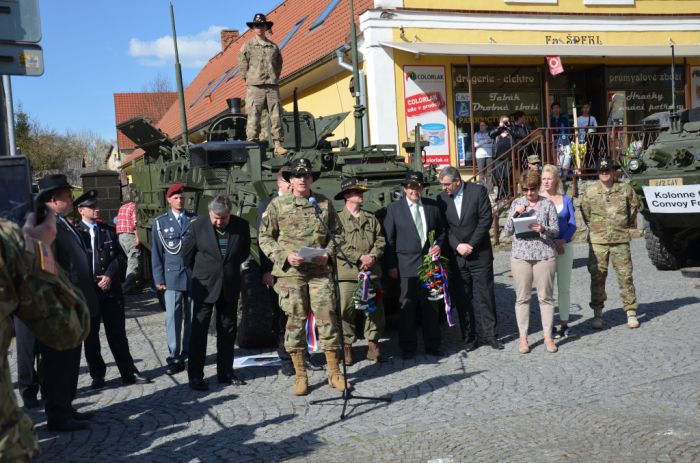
(169,268)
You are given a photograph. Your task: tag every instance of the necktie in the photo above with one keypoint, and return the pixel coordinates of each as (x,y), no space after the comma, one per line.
(419,223)
(93,245)
(181,221)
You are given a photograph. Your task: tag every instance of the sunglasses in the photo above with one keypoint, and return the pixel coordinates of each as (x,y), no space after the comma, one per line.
(529,189)
(300,175)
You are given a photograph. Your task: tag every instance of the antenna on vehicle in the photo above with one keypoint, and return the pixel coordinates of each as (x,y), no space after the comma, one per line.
(178,77)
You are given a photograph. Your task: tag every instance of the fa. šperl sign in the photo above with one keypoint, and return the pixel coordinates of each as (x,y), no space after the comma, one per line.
(673,199)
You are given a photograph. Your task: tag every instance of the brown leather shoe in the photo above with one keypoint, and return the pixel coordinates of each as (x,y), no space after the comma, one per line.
(347,351)
(373,352)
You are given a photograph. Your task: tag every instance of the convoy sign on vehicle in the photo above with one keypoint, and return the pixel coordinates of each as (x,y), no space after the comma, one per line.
(673,199)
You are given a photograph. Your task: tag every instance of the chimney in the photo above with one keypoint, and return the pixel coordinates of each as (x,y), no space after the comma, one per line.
(228,36)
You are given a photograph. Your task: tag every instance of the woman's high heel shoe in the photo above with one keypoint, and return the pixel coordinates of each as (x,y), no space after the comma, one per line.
(524,346)
(550,346)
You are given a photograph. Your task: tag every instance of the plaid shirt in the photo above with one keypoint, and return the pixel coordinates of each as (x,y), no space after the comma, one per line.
(126,218)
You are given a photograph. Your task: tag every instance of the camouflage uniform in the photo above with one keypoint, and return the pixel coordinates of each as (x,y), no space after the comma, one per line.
(260,62)
(362,235)
(288,224)
(52,309)
(609,214)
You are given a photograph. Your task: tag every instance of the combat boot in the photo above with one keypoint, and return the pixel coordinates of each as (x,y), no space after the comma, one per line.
(335,377)
(632,321)
(597,319)
(279,149)
(347,350)
(301,381)
(373,352)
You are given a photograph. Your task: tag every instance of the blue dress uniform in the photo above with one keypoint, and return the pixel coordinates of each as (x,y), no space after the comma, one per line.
(169,269)
(103,252)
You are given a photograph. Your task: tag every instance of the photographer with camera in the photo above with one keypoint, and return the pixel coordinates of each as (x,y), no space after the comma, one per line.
(503,141)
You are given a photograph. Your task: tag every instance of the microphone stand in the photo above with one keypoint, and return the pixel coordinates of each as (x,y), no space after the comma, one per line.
(347,395)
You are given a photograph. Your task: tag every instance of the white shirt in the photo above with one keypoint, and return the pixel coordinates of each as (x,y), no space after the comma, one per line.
(93,245)
(411,207)
(457,198)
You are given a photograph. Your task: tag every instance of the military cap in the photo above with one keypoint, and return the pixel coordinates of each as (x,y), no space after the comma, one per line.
(300,166)
(175,188)
(534,159)
(50,183)
(260,20)
(87,199)
(605,163)
(350,184)
(413,178)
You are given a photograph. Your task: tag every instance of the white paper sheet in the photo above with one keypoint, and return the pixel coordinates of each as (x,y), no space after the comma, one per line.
(522,224)
(309,253)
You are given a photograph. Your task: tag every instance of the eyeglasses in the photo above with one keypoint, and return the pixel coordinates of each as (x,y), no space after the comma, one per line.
(525,190)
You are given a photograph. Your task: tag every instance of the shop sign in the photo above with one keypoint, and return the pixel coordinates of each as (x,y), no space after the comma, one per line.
(695,86)
(497,78)
(635,77)
(573,39)
(424,103)
(555,66)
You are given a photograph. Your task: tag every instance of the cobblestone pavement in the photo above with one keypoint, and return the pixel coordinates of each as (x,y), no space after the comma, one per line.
(618,395)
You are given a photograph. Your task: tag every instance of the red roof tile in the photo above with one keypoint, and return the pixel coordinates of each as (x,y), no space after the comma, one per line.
(152,105)
(305,48)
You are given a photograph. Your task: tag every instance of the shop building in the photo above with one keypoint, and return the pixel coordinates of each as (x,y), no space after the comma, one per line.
(450,64)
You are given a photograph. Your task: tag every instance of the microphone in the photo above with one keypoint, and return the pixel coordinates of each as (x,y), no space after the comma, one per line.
(517,214)
(314,203)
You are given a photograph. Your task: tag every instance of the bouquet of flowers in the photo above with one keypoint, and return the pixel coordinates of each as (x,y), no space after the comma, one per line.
(433,276)
(364,298)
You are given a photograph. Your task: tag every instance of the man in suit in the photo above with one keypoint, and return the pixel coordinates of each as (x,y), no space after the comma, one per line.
(104,254)
(467,211)
(172,276)
(58,369)
(407,224)
(215,250)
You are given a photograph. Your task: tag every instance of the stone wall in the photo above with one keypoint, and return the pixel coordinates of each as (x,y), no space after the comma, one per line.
(108,187)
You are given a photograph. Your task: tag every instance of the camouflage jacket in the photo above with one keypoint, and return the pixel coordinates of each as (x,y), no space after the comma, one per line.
(609,214)
(362,235)
(52,309)
(288,224)
(260,62)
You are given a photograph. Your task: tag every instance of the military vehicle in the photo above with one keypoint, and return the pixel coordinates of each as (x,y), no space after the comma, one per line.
(666,176)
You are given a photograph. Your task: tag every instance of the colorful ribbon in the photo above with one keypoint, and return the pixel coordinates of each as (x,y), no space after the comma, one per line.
(311,338)
(365,284)
(445,293)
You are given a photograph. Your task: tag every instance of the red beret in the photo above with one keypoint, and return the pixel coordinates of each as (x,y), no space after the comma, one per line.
(175,189)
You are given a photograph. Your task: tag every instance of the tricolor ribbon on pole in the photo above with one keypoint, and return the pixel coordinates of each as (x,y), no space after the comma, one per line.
(445,293)
(311,339)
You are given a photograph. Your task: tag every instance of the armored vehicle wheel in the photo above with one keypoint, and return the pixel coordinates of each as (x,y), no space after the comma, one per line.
(664,254)
(256,318)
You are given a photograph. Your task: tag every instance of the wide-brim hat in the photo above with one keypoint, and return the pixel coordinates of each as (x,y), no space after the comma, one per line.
(350,184)
(50,183)
(413,178)
(300,166)
(259,20)
(534,159)
(87,199)
(605,163)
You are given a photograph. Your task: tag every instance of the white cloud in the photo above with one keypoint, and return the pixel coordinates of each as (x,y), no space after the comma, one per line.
(194,50)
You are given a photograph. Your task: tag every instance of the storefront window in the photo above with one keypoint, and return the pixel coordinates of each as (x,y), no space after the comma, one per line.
(634,92)
(496,91)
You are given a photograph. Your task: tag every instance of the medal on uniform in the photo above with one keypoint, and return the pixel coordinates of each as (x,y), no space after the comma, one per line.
(171,244)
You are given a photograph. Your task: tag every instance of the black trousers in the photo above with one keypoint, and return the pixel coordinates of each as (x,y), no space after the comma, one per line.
(475,277)
(280,325)
(112,313)
(226,325)
(412,298)
(58,376)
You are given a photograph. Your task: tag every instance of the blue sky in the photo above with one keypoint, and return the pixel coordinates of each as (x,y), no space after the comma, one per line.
(93,49)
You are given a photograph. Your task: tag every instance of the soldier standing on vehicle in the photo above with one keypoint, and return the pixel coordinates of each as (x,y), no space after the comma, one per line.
(304,286)
(260,63)
(35,291)
(609,209)
(363,244)
(172,276)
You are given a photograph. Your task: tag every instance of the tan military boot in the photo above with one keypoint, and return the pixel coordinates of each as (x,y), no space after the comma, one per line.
(301,381)
(347,350)
(597,319)
(279,149)
(373,352)
(335,377)
(632,321)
